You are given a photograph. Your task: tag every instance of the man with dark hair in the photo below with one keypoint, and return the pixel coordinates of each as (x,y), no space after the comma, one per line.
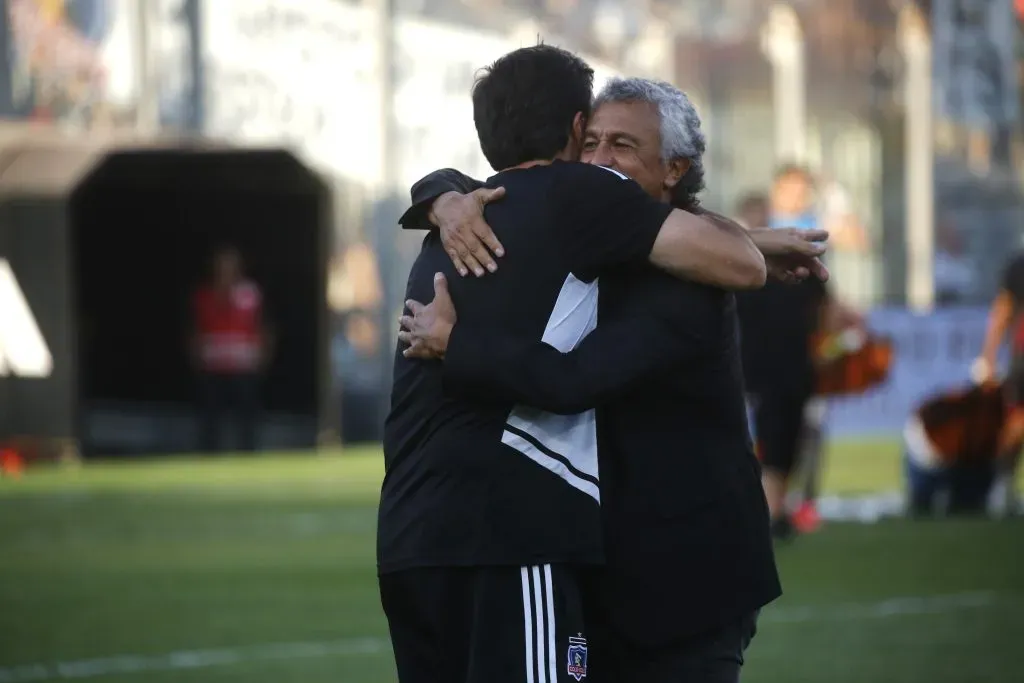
(510,121)
(689,560)
(489,512)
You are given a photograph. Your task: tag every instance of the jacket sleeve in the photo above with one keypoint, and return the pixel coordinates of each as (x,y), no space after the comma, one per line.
(613,359)
(427,189)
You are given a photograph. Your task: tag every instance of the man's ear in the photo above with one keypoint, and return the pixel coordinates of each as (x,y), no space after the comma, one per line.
(579,126)
(677,168)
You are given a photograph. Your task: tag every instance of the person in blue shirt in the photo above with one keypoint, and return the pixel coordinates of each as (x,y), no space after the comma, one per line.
(792,204)
(792,199)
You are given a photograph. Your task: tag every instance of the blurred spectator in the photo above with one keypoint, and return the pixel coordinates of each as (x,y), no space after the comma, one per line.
(355,294)
(951,448)
(231,347)
(355,280)
(846,232)
(776,325)
(356,356)
(955,278)
(792,199)
(794,204)
(752,210)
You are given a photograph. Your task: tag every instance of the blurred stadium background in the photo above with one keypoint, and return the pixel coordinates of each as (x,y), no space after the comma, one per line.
(136,135)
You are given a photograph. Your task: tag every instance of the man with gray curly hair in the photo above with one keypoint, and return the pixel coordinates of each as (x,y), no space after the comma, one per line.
(689,558)
(650,131)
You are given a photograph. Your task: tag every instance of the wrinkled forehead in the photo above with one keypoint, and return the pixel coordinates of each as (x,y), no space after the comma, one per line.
(635,119)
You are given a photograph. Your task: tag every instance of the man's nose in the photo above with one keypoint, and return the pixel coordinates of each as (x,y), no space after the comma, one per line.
(603,156)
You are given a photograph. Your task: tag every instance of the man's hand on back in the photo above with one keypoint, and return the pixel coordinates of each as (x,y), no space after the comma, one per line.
(429,327)
(792,255)
(467,238)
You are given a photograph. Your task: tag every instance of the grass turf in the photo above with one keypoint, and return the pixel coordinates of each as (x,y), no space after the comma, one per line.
(219,560)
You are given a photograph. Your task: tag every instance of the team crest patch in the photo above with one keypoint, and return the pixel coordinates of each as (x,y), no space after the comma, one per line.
(577,656)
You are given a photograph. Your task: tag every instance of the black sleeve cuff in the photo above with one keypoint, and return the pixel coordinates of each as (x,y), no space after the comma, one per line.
(426,191)
(416,216)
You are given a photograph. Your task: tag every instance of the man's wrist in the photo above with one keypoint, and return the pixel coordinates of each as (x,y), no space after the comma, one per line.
(444,336)
(438,203)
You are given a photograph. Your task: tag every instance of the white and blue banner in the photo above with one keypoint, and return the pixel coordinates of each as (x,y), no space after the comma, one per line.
(932,353)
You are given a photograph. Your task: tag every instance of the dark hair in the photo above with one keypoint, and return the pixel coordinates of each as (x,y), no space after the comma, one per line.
(685,194)
(525,103)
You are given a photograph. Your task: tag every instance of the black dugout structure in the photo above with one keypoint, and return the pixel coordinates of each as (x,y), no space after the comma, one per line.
(108,247)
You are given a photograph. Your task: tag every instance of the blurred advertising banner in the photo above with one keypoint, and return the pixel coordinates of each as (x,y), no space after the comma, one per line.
(308,75)
(300,74)
(975,61)
(73,61)
(437,64)
(933,353)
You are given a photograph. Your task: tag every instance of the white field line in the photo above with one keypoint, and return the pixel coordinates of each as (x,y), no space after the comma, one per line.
(894,607)
(191,659)
(351,647)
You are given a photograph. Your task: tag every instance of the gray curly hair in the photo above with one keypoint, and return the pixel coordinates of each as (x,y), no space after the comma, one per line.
(681,134)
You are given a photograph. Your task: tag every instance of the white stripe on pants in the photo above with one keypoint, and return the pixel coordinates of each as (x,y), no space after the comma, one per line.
(539,624)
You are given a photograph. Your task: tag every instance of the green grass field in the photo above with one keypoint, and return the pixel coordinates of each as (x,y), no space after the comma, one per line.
(261,570)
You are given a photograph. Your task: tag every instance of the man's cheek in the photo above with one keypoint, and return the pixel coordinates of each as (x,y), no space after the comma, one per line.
(631,168)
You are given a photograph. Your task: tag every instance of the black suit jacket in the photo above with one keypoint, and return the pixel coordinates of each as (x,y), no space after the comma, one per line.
(686,524)
(777,322)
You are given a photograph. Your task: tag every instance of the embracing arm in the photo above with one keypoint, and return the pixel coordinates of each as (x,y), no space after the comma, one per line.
(705,250)
(609,362)
(721,252)
(605,220)
(454,203)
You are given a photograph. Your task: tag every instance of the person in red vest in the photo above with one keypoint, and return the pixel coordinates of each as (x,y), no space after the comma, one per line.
(230,347)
